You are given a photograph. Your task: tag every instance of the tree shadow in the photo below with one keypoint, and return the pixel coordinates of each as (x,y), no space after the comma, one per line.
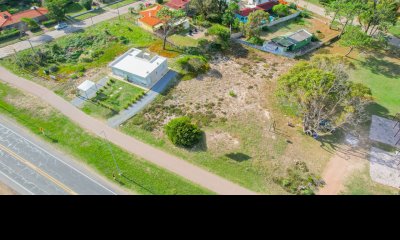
(238,157)
(382,67)
(236,50)
(377,109)
(215,73)
(201,146)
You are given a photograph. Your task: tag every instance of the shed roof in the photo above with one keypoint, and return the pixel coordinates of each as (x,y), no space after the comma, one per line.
(86,85)
(282,41)
(300,35)
(177,4)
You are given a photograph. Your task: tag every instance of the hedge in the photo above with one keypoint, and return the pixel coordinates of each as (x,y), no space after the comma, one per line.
(9,34)
(49,23)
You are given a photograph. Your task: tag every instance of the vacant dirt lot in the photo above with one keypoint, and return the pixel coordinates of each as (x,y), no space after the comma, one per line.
(235,105)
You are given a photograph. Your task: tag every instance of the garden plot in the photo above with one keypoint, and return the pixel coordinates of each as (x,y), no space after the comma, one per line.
(112,98)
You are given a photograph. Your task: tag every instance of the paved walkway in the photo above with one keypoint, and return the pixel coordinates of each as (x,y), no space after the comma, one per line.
(178,166)
(49,36)
(143,102)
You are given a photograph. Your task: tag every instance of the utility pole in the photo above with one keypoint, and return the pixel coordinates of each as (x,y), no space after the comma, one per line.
(112,154)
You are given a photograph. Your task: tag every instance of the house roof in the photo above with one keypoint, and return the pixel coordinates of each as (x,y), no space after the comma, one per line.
(177,4)
(246,11)
(138,62)
(149,16)
(267,6)
(8,19)
(283,41)
(300,35)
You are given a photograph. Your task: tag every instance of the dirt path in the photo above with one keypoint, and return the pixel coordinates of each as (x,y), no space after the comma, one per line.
(341,165)
(180,167)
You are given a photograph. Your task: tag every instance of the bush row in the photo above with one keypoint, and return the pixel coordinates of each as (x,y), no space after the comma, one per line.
(9,34)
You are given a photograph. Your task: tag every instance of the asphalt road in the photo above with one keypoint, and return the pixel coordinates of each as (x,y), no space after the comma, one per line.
(31,169)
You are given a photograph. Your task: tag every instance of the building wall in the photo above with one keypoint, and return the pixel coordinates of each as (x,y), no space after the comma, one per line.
(145,26)
(152,78)
(300,44)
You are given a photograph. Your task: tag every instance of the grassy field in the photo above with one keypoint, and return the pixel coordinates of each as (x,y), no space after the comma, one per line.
(181,40)
(360,183)
(395,30)
(138,175)
(74,8)
(121,4)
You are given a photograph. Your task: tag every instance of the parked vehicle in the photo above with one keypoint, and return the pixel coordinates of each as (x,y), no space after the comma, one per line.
(61,25)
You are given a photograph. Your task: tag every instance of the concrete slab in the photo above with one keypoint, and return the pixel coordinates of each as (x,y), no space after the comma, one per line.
(385,167)
(384,130)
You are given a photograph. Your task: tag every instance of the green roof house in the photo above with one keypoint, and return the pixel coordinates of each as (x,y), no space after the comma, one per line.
(292,42)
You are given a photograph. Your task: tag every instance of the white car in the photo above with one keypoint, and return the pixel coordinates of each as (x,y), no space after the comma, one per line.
(61,25)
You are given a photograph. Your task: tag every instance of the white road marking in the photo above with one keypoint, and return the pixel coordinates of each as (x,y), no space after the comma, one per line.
(16,183)
(59,160)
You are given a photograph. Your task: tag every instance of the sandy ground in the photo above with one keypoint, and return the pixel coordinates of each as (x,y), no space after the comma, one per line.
(5,190)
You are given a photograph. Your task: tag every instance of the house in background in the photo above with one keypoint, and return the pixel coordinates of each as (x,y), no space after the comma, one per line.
(265,5)
(179,4)
(140,67)
(8,20)
(290,43)
(149,19)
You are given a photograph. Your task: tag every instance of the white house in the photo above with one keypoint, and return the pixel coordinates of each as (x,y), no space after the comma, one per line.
(140,67)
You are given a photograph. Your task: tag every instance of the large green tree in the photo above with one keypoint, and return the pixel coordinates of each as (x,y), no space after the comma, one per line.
(229,17)
(221,33)
(379,15)
(323,95)
(56,8)
(171,20)
(355,37)
(255,20)
(87,4)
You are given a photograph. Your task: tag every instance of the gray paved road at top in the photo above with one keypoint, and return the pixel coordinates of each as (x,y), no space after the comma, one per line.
(51,35)
(30,169)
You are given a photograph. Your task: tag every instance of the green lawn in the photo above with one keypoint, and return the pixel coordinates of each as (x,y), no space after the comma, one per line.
(395,30)
(382,75)
(121,4)
(138,175)
(181,40)
(360,183)
(90,14)
(74,8)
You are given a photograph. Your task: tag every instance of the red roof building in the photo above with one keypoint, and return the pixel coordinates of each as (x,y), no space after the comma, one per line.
(178,4)
(149,17)
(267,6)
(7,19)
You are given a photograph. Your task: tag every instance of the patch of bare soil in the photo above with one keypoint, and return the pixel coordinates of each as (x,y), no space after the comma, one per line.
(5,190)
(26,101)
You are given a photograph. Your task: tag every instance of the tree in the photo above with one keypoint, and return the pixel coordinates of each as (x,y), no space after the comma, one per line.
(87,4)
(56,8)
(160,1)
(221,33)
(182,132)
(32,24)
(254,22)
(354,37)
(281,10)
(229,17)
(170,20)
(322,94)
(209,9)
(379,14)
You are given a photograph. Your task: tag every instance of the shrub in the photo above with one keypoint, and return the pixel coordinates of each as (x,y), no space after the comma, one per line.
(87,4)
(305,14)
(194,64)
(49,23)
(53,68)
(232,93)
(281,10)
(182,132)
(6,34)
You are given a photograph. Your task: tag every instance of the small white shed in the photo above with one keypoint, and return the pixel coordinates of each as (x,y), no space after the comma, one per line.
(87,89)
